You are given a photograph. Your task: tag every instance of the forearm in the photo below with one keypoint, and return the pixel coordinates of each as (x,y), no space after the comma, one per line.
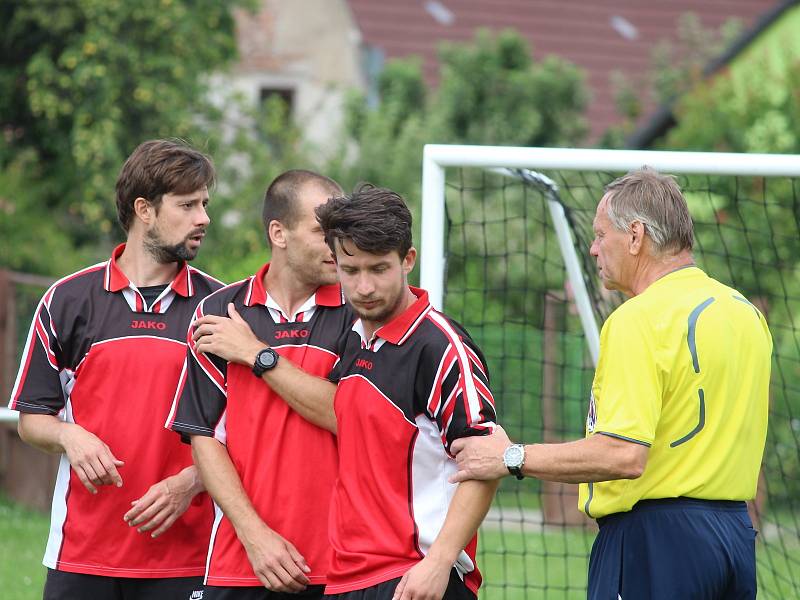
(467,510)
(43,431)
(233,340)
(309,396)
(190,477)
(91,459)
(223,483)
(596,458)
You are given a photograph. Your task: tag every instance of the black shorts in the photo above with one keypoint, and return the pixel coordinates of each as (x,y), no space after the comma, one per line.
(212,592)
(456,590)
(61,585)
(675,548)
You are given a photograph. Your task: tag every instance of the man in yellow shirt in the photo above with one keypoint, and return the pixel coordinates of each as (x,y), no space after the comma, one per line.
(677,417)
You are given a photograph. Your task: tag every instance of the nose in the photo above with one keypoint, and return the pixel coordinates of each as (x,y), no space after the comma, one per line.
(593,248)
(202,217)
(365,287)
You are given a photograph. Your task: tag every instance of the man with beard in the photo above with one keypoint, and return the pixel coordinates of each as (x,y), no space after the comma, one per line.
(260,427)
(97,376)
(411,382)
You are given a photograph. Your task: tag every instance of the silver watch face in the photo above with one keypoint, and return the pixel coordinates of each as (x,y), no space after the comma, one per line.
(514,456)
(266,359)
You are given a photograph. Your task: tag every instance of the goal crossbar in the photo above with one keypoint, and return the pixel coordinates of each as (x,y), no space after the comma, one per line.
(436,157)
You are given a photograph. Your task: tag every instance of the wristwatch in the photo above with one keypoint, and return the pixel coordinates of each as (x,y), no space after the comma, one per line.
(514,458)
(266,359)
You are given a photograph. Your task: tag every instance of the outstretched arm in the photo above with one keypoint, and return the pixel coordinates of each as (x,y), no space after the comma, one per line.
(232,339)
(599,457)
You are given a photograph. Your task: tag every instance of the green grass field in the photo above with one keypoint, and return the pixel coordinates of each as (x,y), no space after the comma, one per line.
(547,563)
(532,565)
(23,535)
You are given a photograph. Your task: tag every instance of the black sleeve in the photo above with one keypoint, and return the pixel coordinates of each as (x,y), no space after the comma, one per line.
(454,383)
(201,398)
(38,388)
(341,349)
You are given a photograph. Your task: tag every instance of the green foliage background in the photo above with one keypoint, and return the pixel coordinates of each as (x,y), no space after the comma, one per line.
(83,82)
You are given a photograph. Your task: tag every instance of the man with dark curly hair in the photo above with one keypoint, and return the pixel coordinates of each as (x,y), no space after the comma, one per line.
(410,383)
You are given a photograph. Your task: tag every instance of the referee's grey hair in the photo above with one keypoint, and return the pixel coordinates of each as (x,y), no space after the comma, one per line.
(656,201)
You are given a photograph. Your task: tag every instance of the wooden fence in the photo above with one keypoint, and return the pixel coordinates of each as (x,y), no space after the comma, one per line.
(26,474)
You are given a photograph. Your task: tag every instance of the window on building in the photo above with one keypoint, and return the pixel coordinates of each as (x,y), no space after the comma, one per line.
(286,95)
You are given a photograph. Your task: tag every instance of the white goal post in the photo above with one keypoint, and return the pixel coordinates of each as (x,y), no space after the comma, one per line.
(436,157)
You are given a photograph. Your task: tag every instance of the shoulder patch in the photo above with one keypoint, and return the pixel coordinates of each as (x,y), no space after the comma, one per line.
(591,418)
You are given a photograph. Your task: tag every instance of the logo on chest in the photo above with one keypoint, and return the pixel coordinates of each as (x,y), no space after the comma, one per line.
(145,324)
(364,363)
(291,334)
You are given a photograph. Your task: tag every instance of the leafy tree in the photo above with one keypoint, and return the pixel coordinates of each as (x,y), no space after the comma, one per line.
(490,92)
(751,107)
(248,156)
(27,235)
(493,92)
(82,82)
(676,67)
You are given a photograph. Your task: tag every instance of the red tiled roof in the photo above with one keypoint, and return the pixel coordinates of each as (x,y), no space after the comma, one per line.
(580,31)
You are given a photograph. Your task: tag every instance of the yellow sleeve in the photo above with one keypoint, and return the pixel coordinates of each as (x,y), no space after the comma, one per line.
(627,388)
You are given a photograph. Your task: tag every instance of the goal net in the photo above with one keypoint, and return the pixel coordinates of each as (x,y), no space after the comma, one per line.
(505,251)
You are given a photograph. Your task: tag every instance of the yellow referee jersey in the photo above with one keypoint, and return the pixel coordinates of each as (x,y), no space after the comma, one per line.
(684,369)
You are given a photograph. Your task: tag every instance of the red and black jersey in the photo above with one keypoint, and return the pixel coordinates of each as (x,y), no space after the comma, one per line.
(404,396)
(100,357)
(287,465)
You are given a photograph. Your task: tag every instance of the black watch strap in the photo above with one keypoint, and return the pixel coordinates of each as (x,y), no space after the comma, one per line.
(266,359)
(516,472)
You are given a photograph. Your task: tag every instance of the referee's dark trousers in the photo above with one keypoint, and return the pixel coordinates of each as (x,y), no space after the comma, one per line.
(675,549)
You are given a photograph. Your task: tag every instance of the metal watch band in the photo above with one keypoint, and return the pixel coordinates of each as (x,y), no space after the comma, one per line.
(515,469)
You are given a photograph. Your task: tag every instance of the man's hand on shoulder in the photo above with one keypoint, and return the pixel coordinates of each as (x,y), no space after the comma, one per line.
(480,457)
(230,338)
(164,502)
(427,580)
(90,457)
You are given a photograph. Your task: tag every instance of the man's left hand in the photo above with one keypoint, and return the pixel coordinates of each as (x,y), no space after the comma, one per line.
(230,338)
(164,502)
(480,457)
(427,580)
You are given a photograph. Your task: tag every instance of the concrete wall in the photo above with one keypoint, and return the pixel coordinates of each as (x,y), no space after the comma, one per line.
(311,47)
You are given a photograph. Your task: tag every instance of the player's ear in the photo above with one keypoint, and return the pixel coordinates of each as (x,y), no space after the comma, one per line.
(277,234)
(144,210)
(410,260)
